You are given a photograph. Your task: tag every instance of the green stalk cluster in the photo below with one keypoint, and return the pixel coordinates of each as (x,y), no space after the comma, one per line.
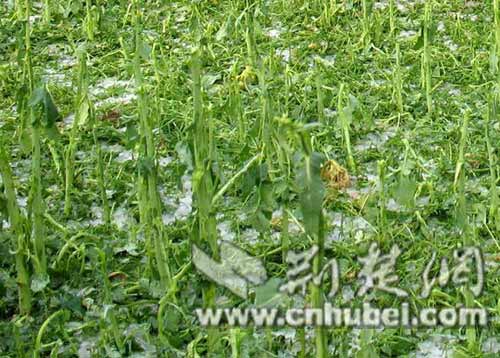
(398,81)
(494,212)
(460,177)
(46,11)
(345,122)
(426,56)
(90,19)
(367,6)
(37,205)
(149,201)
(392,19)
(205,233)
(250,33)
(81,115)
(235,106)
(382,222)
(109,313)
(312,210)
(463,219)
(19,231)
(319,94)
(496,14)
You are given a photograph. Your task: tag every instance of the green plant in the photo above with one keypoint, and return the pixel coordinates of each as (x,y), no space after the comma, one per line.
(20,233)
(37,205)
(345,117)
(203,180)
(494,212)
(81,117)
(426,54)
(149,202)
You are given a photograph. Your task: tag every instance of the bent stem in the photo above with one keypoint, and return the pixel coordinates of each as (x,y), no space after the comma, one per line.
(149,201)
(494,212)
(205,232)
(426,56)
(82,108)
(311,199)
(37,209)
(20,243)
(345,121)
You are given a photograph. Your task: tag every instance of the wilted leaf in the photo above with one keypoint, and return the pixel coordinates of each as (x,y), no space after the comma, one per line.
(334,175)
(41,98)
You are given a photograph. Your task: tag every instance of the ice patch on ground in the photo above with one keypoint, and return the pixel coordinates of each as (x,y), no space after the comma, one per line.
(284,54)
(123,99)
(435,347)
(180,206)
(125,156)
(274,33)
(85,349)
(164,161)
(407,34)
(225,231)
(106,84)
(375,140)
(491,345)
(97,216)
(250,236)
(122,218)
(344,226)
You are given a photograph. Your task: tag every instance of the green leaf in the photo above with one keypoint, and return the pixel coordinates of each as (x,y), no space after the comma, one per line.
(404,192)
(420,42)
(369,7)
(144,50)
(311,197)
(41,98)
(3,206)
(84,112)
(432,29)
(131,136)
(184,154)
(269,294)
(208,80)
(224,30)
(36,96)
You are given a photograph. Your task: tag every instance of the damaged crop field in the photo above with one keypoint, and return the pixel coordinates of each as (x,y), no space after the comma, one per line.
(250,178)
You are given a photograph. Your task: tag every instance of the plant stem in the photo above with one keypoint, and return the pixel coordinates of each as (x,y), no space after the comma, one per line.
(203,182)
(37,214)
(392,20)
(427,61)
(108,301)
(382,200)
(496,14)
(250,33)
(398,86)
(311,200)
(366,4)
(46,11)
(38,342)
(82,109)
(319,95)
(101,181)
(494,212)
(344,115)
(459,182)
(20,243)
(148,188)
